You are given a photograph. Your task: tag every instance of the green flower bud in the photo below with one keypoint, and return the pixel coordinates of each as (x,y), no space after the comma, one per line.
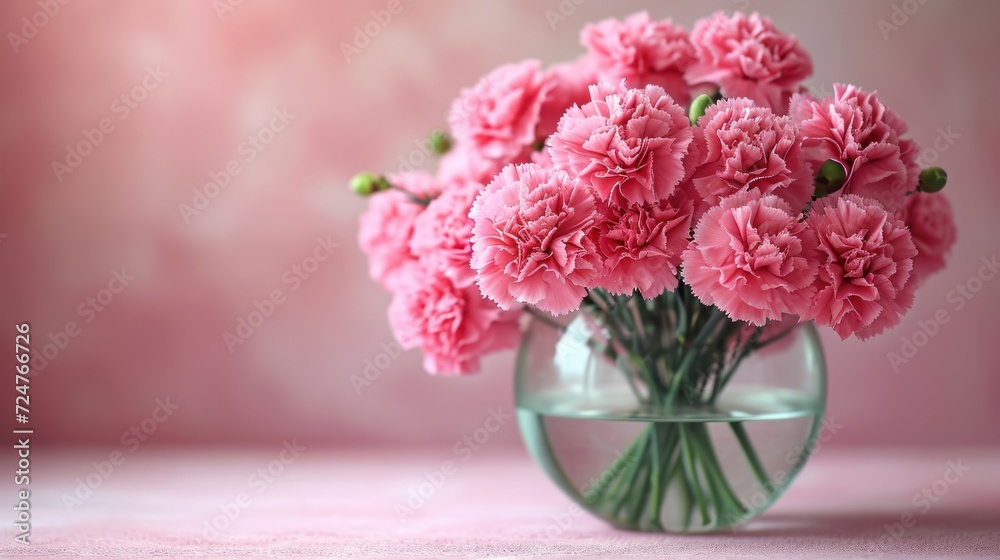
(439,142)
(830,178)
(365,184)
(698,108)
(932,180)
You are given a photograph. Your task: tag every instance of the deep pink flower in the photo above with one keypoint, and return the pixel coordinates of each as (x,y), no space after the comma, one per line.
(855,129)
(932,226)
(498,117)
(531,239)
(752,258)
(387,226)
(743,146)
(628,144)
(641,246)
(454,326)
(641,52)
(442,235)
(864,282)
(746,56)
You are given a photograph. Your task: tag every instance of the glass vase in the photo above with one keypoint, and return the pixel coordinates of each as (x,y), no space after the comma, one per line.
(664,415)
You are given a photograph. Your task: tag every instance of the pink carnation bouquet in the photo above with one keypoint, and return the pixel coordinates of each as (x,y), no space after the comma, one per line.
(685,194)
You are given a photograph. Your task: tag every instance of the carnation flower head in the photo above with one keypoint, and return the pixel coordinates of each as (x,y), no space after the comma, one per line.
(856,130)
(570,85)
(461,165)
(641,245)
(497,118)
(745,146)
(442,233)
(387,226)
(864,283)
(453,325)
(641,51)
(752,258)
(628,144)
(531,239)
(932,225)
(746,56)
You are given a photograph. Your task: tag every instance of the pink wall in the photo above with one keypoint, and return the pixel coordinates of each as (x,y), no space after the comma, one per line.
(220,80)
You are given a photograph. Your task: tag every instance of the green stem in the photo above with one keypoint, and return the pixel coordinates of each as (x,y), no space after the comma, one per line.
(691,475)
(751,454)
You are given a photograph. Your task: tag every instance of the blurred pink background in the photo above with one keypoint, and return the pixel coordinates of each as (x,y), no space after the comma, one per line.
(198,81)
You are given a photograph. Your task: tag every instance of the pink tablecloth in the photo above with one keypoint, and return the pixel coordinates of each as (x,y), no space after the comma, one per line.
(159,503)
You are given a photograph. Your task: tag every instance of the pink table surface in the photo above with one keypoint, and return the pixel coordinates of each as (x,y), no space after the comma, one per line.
(498,504)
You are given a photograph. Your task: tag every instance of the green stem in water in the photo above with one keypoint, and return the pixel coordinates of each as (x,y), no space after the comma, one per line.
(748,450)
(691,475)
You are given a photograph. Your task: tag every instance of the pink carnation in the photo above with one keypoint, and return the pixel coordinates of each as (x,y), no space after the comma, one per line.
(461,164)
(641,246)
(628,144)
(571,83)
(932,226)
(752,258)
(743,146)
(497,118)
(746,56)
(442,234)
(531,239)
(855,129)
(455,326)
(641,52)
(864,281)
(387,226)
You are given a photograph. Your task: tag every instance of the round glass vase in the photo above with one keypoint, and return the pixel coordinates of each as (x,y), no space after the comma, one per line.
(600,413)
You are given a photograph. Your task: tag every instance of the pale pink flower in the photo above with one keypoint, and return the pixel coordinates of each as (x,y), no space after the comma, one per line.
(461,164)
(454,326)
(932,226)
(641,246)
(387,226)
(498,117)
(570,85)
(752,258)
(628,144)
(442,234)
(864,282)
(746,56)
(531,239)
(743,146)
(642,52)
(855,129)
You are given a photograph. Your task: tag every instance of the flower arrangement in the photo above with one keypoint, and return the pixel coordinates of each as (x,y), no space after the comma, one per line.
(683,188)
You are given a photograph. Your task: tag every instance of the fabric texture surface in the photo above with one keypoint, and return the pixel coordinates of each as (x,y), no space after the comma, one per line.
(497,503)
